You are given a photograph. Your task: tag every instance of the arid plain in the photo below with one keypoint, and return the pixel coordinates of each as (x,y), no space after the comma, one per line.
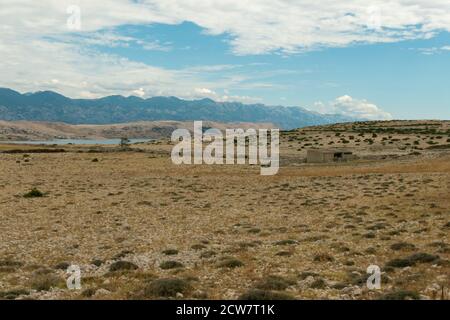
(141,227)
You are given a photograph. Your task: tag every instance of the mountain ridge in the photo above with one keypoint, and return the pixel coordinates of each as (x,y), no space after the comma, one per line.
(54,107)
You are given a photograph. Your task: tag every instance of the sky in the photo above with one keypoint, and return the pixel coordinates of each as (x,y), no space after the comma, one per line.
(367,59)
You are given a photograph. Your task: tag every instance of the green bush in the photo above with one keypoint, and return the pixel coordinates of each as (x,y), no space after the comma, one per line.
(34,193)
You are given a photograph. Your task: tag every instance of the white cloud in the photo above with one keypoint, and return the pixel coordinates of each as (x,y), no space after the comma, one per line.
(433,50)
(255,26)
(291,26)
(226,97)
(36,45)
(205,91)
(139,92)
(155,46)
(356,108)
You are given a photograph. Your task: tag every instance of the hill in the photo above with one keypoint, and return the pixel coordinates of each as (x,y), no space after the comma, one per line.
(35,130)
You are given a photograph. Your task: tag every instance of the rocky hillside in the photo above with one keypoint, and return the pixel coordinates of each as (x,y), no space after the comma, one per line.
(30,130)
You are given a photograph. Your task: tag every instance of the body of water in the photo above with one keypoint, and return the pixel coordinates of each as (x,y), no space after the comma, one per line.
(76,142)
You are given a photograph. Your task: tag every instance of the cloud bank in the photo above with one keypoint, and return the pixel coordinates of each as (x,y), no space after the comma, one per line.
(39,50)
(356,108)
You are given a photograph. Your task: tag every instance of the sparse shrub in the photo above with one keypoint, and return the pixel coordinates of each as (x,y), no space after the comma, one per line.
(377,226)
(45,281)
(402,246)
(198,247)
(349,263)
(369,235)
(8,266)
(170,252)
(13,294)
(7,269)
(97,262)
(62,266)
(122,254)
(388,269)
(250,244)
(401,295)
(285,242)
(166,287)
(318,284)
(358,278)
(34,193)
(274,283)
(208,254)
(423,258)
(284,254)
(89,292)
(171,265)
(10,263)
(339,286)
(307,274)
(323,257)
(230,263)
(122,266)
(256,294)
(412,260)
(399,263)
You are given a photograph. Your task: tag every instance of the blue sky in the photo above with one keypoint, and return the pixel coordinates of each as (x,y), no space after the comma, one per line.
(380,61)
(402,77)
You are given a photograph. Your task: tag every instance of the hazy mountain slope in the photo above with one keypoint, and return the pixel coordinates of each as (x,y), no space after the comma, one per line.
(31,130)
(51,106)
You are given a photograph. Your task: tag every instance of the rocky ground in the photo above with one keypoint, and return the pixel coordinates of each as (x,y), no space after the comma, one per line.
(140,227)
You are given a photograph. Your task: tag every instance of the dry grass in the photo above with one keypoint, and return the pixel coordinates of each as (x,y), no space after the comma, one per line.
(316,227)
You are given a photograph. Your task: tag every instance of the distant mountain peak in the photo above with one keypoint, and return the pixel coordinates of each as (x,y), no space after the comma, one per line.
(52,106)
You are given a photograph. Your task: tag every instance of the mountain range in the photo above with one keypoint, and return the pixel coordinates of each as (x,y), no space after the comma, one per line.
(53,107)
